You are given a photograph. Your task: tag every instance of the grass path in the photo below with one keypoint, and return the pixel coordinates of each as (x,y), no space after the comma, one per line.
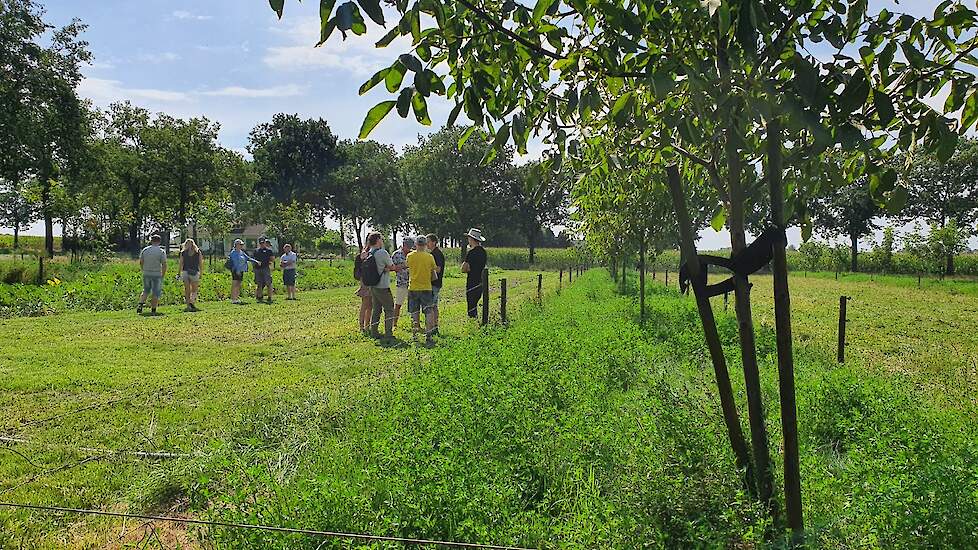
(178,382)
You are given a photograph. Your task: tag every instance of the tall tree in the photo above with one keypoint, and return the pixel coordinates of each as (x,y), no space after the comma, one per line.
(16,209)
(43,123)
(849,211)
(539,197)
(128,164)
(942,191)
(294,158)
(367,187)
(450,187)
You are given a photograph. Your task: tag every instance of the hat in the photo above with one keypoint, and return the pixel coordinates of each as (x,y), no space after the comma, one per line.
(408,241)
(421,239)
(238,241)
(475,234)
(262,240)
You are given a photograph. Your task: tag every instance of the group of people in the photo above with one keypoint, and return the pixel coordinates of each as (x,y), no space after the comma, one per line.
(418,267)
(190,266)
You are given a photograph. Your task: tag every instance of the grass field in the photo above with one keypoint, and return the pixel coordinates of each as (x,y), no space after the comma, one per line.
(573,428)
(176,383)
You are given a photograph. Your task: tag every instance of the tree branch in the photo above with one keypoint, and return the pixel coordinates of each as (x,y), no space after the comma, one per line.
(499,27)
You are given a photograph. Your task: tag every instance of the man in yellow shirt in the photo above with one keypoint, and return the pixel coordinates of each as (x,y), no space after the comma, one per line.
(422,267)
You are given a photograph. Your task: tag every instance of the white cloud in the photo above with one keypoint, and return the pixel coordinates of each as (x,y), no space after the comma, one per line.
(164,57)
(356,54)
(289,90)
(186,15)
(104,91)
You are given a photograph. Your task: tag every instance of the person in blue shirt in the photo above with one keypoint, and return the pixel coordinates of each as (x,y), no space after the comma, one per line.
(239,260)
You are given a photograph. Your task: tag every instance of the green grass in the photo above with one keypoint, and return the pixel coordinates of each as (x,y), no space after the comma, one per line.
(181,383)
(573,428)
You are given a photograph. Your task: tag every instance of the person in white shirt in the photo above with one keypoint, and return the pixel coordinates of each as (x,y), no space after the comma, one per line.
(288,261)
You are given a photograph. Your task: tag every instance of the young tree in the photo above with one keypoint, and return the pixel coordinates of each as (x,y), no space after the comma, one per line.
(811,254)
(850,211)
(716,84)
(945,191)
(16,208)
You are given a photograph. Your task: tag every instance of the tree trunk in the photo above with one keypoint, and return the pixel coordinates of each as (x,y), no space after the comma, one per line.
(949,268)
(782,323)
(745,323)
(531,241)
(359,227)
(688,250)
(48,219)
(16,234)
(854,252)
(641,280)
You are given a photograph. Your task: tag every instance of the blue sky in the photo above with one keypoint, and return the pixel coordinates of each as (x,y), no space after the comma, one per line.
(236,63)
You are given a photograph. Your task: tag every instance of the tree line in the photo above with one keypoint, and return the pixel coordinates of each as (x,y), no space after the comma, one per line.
(111,176)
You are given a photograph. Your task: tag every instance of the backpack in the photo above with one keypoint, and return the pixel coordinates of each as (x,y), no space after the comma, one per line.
(368,271)
(357,266)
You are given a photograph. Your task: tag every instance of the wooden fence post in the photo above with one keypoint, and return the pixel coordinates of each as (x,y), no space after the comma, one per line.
(502,300)
(667,276)
(570,275)
(485,296)
(40,270)
(540,286)
(842,328)
(725,298)
(560,280)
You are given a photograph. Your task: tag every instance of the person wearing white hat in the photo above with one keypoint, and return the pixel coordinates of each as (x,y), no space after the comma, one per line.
(475,262)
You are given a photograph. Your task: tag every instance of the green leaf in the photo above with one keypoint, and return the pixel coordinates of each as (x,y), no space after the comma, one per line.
(855,93)
(719,219)
(422,84)
(404,102)
(884,107)
(394,77)
(896,200)
(373,9)
(453,116)
(970,114)
(325,31)
(465,136)
(412,63)
(502,136)
(541,9)
(622,108)
(420,109)
(344,16)
(388,38)
(374,80)
(278,6)
(374,116)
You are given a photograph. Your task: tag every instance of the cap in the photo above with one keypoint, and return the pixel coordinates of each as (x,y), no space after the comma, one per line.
(238,241)
(408,241)
(421,239)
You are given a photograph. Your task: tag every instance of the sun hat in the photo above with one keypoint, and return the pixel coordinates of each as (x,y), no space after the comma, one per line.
(475,234)
(238,241)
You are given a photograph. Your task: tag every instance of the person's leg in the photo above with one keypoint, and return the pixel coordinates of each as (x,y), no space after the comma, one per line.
(429,318)
(366,304)
(376,307)
(436,294)
(388,304)
(143,295)
(235,289)
(188,291)
(157,292)
(472,299)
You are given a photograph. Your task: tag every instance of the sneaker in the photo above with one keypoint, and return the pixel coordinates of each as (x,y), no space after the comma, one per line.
(139,308)
(193,307)
(188,309)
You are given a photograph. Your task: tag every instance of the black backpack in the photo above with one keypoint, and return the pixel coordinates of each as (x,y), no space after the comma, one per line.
(368,271)
(357,266)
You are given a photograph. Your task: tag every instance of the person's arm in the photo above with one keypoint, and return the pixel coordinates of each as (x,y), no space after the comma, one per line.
(200,268)
(163,265)
(180,263)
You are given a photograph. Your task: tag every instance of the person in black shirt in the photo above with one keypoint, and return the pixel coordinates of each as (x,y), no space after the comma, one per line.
(440,275)
(263,269)
(474,264)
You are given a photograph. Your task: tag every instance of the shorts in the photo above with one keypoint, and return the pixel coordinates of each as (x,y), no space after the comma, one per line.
(237,275)
(420,299)
(435,293)
(153,285)
(363,291)
(186,276)
(288,277)
(263,276)
(400,295)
